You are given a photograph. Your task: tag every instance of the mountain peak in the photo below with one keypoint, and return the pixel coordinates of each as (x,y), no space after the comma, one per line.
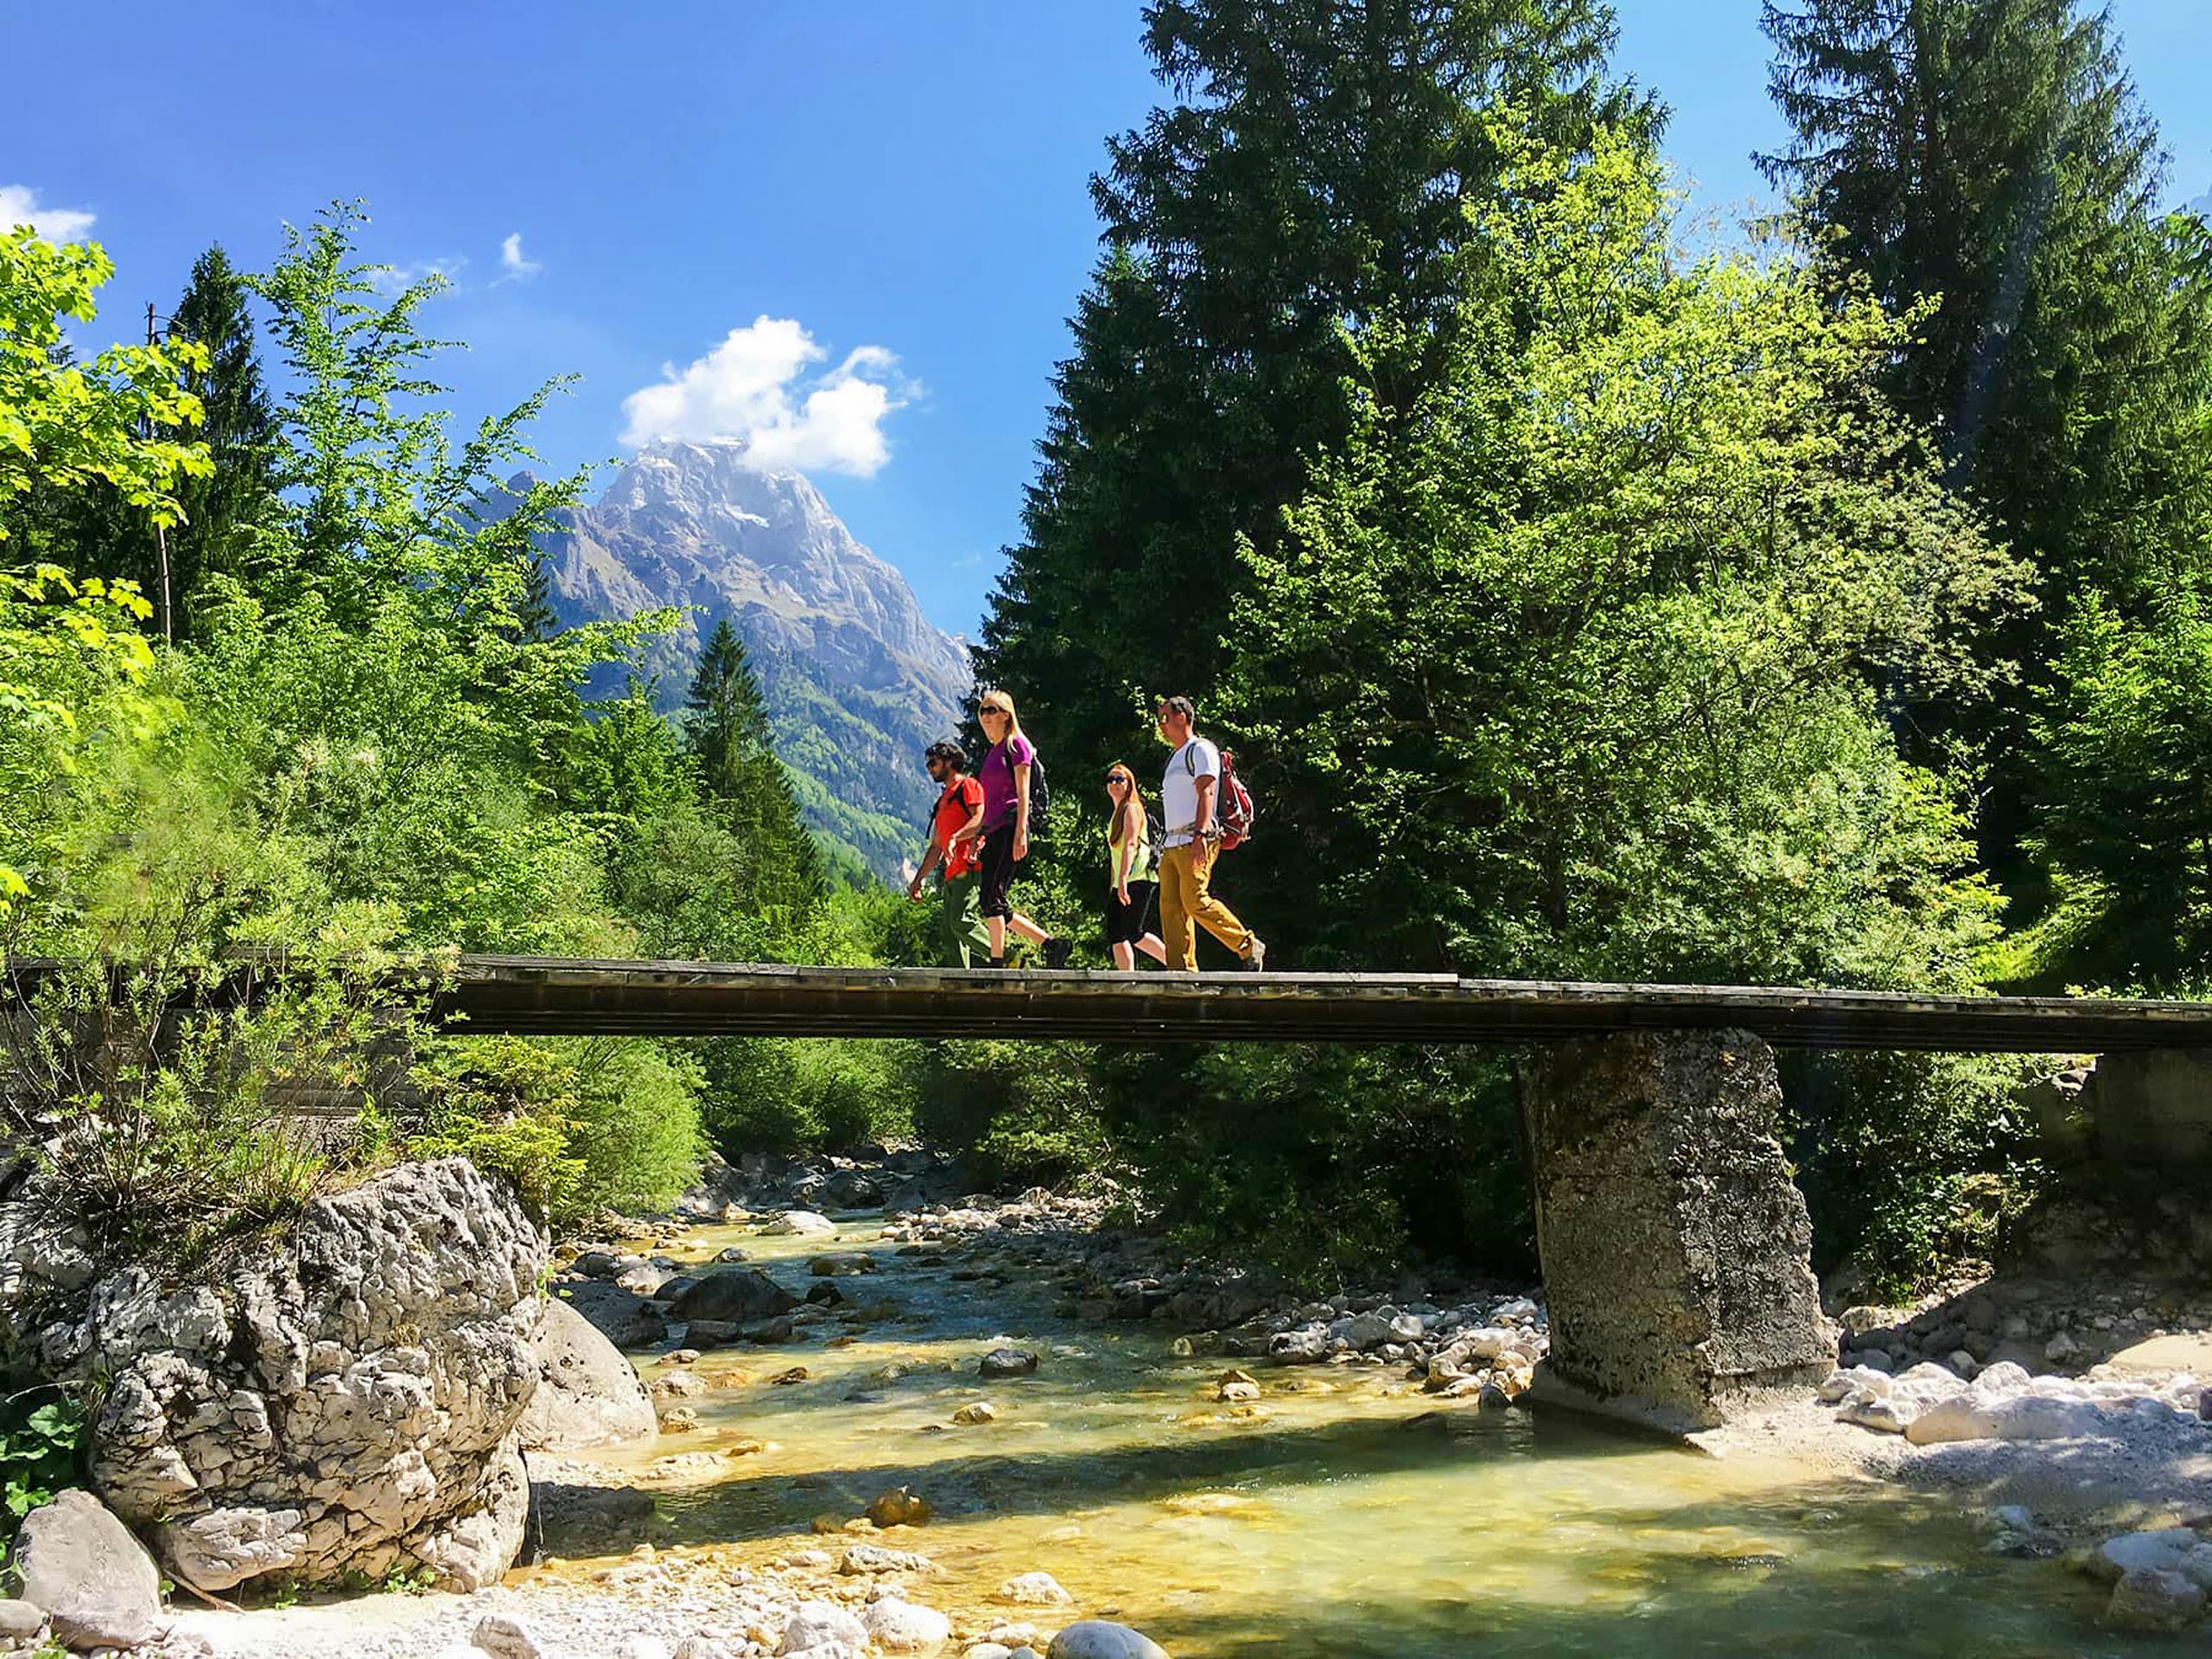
(858,680)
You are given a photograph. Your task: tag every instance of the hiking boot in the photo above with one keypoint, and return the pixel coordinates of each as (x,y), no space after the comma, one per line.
(1256,957)
(1055,952)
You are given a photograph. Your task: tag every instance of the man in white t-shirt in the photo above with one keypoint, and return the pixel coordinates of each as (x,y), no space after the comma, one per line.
(1188,793)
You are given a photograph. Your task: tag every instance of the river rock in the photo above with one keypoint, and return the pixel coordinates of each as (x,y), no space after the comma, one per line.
(345,1403)
(2151,1600)
(587,1393)
(505,1636)
(815,1624)
(874,1558)
(901,1506)
(851,1189)
(736,1296)
(807,1223)
(2161,1549)
(93,1581)
(21,1621)
(971,1416)
(904,1627)
(1099,1638)
(2020,1417)
(1034,1590)
(1008,1362)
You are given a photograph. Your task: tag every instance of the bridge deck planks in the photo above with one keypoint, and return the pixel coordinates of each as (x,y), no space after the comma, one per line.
(541,995)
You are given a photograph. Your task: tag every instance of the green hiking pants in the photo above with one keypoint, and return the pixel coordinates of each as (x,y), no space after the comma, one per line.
(966,943)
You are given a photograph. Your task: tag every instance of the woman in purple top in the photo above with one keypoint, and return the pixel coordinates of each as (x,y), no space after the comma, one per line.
(1005,830)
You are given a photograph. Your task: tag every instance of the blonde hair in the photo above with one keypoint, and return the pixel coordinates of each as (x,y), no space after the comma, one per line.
(993,694)
(1135,797)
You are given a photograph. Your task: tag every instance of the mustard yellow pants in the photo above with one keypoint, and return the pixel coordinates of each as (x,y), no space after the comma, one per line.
(1185,905)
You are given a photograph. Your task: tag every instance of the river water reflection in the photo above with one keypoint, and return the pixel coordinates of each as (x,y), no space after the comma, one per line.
(1345,1516)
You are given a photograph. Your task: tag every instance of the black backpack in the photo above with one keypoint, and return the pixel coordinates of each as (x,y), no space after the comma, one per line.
(1040,796)
(1040,792)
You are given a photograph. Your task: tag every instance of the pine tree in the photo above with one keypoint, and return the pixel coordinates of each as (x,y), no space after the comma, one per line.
(1988,159)
(734,746)
(224,510)
(535,621)
(1313,171)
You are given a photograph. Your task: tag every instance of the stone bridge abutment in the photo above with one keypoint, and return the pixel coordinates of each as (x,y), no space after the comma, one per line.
(1676,1252)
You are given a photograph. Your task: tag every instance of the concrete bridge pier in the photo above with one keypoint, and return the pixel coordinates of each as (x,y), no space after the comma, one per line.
(1676,1253)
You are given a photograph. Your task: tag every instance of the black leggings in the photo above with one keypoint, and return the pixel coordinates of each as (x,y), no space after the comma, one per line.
(1127,923)
(995,870)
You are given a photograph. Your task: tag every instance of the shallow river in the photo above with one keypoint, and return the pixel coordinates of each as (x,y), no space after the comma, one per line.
(1346,1516)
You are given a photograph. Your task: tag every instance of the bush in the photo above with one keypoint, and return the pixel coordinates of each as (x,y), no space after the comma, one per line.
(637,1125)
(576,1125)
(782,1094)
(43,1434)
(1026,1111)
(1910,1163)
(1325,1161)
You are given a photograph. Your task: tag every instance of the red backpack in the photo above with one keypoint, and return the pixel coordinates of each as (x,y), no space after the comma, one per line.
(1234,811)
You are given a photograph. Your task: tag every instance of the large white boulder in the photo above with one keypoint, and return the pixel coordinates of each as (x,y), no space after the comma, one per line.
(807,1223)
(2162,1549)
(344,1403)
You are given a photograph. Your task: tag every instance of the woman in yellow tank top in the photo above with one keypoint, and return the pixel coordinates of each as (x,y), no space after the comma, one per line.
(1131,891)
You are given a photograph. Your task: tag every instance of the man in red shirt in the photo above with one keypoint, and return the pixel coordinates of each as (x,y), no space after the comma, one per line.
(957,825)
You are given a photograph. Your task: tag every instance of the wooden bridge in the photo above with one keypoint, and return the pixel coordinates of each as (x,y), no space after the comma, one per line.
(539,995)
(1676,1252)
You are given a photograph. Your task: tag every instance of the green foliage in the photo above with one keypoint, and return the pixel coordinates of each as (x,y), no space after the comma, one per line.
(730,742)
(1987,162)
(786,1094)
(1314,163)
(70,661)
(639,1124)
(224,513)
(1566,667)
(2125,775)
(63,428)
(1323,1162)
(44,1434)
(509,1106)
(1028,1111)
(1911,1163)
(577,1125)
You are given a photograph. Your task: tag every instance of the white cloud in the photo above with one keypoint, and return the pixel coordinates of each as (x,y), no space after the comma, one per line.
(19,206)
(516,268)
(393,280)
(756,386)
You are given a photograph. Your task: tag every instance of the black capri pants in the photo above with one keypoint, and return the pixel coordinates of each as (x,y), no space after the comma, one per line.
(1127,923)
(995,872)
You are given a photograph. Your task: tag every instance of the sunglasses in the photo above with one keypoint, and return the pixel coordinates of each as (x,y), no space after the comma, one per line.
(988,710)
(1115,778)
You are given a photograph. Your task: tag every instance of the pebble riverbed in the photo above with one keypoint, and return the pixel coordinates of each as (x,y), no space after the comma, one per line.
(1236,1475)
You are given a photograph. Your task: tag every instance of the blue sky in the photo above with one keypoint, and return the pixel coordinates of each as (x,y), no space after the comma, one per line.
(896,186)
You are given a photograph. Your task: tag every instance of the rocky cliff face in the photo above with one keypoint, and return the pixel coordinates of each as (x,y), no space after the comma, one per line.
(858,680)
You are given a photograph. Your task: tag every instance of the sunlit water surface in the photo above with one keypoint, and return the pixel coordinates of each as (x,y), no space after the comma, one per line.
(1347,1516)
